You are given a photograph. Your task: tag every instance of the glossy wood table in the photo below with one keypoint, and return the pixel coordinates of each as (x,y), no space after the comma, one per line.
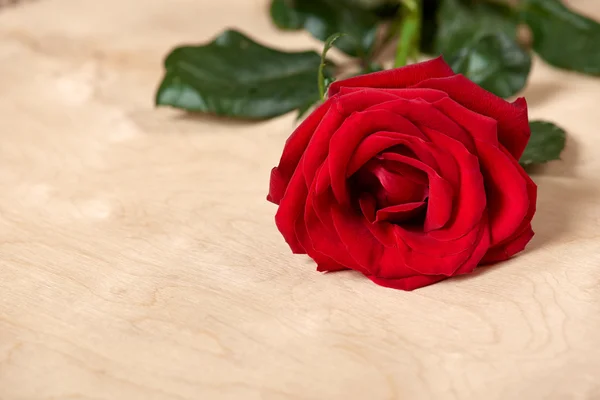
(139,258)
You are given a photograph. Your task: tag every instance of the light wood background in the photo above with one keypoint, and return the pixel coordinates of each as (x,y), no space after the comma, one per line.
(139,258)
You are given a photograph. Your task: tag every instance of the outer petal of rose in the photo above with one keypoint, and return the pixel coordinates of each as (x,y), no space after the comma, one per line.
(277,186)
(480,250)
(507,194)
(409,283)
(330,267)
(443,259)
(513,122)
(523,233)
(532,194)
(323,203)
(418,281)
(292,152)
(291,209)
(425,244)
(324,262)
(520,103)
(398,77)
(320,229)
(364,246)
(504,252)
(322,242)
(358,240)
(453,264)
(316,151)
(317,236)
(428,95)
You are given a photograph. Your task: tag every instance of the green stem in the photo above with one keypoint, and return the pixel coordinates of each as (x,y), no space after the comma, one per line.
(321,77)
(408,43)
(321,80)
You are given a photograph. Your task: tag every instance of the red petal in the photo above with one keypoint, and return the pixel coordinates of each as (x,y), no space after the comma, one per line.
(507,194)
(426,115)
(382,232)
(291,209)
(397,77)
(330,266)
(470,201)
(441,194)
(319,226)
(513,122)
(504,252)
(400,212)
(409,283)
(392,182)
(292,152)
(429,95)
(479,126)
(354,129)
(380,141)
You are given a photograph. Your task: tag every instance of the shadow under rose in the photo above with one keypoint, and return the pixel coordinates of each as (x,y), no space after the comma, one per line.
(560,196)
(561,209)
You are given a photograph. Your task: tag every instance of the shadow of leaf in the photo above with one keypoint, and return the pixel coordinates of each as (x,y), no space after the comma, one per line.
(562,209)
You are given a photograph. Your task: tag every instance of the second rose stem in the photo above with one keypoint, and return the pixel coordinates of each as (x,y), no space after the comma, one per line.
(410,32)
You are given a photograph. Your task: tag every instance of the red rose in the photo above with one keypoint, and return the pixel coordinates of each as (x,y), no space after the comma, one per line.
(409,176)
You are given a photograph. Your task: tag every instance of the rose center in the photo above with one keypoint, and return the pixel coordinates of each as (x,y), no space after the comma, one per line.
(399,192)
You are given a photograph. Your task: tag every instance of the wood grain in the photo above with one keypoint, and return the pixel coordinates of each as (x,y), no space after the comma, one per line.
(139,258)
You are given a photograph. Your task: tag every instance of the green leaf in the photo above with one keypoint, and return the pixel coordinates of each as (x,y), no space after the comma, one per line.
(479,40)
(237,77)
(546,143)
(321,77)
(410,32)
(285,16)
(562,37)
(323,18)
(369,4)
(460,24)
(495,62)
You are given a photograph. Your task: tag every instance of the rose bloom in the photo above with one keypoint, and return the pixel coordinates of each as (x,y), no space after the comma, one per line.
(409,176)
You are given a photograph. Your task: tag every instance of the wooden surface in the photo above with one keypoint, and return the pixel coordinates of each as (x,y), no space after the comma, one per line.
(139,258)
